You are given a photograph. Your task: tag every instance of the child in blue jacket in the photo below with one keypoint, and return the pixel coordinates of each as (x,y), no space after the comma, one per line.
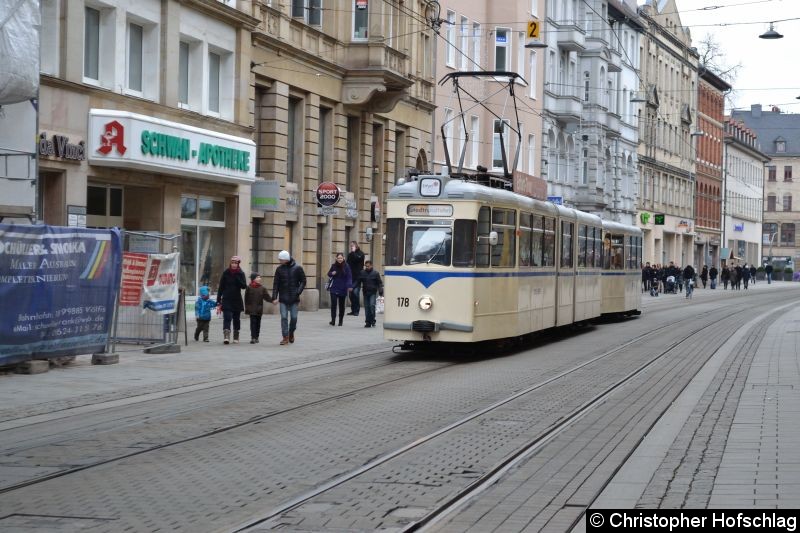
(202,310)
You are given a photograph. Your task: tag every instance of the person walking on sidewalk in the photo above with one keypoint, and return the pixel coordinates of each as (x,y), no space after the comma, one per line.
(745,275)
(341,283)
(768,271)
(688,276)
(372,285)
(753,271)
(254,297)
(290,281)
(712,275)
(229,299)
(704,275)
(725,276)
(355,260)
(202,311)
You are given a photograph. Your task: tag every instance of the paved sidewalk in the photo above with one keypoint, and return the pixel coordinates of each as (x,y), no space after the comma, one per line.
(81,383)
(731,439)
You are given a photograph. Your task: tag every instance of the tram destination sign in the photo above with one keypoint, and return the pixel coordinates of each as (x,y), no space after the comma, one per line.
(429,210)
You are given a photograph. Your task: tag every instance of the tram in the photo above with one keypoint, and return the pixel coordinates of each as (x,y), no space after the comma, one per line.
(466,262)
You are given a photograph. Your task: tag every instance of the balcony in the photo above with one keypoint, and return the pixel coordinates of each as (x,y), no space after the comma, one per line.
(570,37)
(566,108)
(376,77)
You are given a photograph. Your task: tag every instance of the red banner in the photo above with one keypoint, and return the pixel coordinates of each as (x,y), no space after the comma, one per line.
(133,270)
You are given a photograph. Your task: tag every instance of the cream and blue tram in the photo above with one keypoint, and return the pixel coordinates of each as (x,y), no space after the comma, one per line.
(468,263)
(622,269)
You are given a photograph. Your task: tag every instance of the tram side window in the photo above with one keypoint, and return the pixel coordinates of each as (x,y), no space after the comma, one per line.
(395,228)
(566,244)
(504,223)
(537,240)
(484,227)
(549,255)
(465,241)
(598,247)
(582,245)
(639,240)
(525,240)
(617,252)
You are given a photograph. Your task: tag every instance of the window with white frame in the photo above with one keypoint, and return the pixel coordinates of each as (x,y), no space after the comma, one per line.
(518,153)
(360,19)
(474,136)
(532,76)
(183,73)
(464,29)
(521,54)
(497,151)
(535,8)
(308,10)
(49,37)
(91,44)
(135,54)
(448,133)
(214,66)
(502,43)
(531,154)
(450,36)
(476,46)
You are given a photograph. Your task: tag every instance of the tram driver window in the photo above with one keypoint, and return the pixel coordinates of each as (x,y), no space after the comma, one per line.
(465,241)
(428,244)
(395,227)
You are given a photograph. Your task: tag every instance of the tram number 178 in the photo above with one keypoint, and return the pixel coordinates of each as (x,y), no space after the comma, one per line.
(402,302)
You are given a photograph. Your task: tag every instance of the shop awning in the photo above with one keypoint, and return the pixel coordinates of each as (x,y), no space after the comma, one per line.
(726,254)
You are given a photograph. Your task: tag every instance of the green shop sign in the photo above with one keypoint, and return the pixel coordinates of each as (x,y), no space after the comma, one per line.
(179,148)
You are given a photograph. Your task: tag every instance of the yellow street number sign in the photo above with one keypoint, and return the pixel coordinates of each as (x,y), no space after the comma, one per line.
(533,29)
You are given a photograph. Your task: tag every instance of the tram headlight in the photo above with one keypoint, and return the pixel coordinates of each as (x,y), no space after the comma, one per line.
(425,303)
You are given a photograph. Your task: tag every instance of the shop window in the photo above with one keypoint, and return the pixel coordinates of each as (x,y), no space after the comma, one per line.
(103,206)
(202,242)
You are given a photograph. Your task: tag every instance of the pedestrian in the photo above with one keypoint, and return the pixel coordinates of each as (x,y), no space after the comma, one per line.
(202,311)
(254,297)
(355,260)
(768,271)
(372,286)
(712,274)
(745,275)
(704,275)
(340,283)
(688,277)
(753,271)
(647,275)
(290,281)
(736,277)
(229,299)
(725,276)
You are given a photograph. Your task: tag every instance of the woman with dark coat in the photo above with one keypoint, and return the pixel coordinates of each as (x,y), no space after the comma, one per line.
(725,276)
(704,275)
(229,298)
(341,283)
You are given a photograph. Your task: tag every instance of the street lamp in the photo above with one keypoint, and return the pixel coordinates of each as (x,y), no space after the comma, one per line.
(771,240)
(771,33)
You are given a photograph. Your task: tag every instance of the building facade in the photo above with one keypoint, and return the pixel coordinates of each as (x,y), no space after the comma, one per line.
(743,205)
(666,148)
(590,132)
(144,124)
(709,185)
(779,139)
(478,36)
(340,92)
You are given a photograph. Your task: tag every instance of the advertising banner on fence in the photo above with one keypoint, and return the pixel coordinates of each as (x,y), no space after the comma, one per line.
(57,287)
(134,265)
(161,283)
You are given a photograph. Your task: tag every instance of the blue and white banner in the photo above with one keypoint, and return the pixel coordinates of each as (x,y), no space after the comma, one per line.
(57,288)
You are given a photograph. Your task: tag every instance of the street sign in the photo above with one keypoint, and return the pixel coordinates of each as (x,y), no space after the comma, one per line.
(533,29)
(558,200)
(658,219)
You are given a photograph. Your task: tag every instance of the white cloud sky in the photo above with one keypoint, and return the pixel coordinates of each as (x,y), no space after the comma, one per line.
(769,73)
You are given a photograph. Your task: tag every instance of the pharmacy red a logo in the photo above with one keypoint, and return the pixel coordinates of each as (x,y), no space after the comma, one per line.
(114,136)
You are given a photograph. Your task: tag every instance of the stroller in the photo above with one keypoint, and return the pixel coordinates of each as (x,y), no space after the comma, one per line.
(670,285)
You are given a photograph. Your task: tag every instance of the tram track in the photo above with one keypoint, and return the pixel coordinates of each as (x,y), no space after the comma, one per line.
(489,477)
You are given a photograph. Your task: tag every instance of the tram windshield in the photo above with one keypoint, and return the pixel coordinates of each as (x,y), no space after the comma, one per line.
(430,245)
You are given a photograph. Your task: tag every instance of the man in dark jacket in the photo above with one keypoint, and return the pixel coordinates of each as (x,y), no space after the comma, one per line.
(229,298)
(355,260)
(371,281)
(712,274)
(768,271)
(290,280)
(753,272)
(647,275)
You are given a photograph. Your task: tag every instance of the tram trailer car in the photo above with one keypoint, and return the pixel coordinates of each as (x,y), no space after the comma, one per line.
(468,263)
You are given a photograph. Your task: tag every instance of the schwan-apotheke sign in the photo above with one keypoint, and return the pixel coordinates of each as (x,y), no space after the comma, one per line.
(129,140)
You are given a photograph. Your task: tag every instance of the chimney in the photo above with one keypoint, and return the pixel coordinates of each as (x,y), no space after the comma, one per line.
(755,110)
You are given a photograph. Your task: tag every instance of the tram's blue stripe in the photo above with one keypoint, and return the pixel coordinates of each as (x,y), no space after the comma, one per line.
(429,278)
